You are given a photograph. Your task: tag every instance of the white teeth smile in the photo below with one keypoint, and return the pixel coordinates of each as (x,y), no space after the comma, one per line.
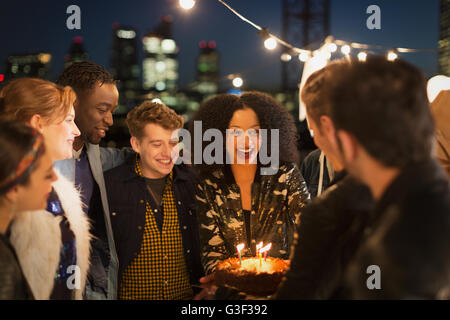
(245,151)
(164,161)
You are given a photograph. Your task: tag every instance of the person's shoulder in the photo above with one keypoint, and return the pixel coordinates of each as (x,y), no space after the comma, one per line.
(120,172)
(313,156)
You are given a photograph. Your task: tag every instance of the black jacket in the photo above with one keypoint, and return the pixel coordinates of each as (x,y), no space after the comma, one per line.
(409,239)
(13,285)
(330,231)
(310,170)
(127,195)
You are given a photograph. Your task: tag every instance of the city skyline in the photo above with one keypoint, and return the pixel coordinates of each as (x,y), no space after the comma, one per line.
(413,24)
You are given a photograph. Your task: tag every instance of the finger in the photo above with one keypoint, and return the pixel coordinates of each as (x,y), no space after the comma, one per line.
(207,278)
(202,294)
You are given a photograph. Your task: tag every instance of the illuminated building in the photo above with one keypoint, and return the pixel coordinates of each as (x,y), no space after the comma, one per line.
(207,79)
(160,65)
(125,65)
(36,65)
(76,53)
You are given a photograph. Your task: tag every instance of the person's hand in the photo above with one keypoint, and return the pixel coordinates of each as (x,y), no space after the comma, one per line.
(209,289)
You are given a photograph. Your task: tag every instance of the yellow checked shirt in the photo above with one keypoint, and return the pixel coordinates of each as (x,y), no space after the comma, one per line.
(159,270)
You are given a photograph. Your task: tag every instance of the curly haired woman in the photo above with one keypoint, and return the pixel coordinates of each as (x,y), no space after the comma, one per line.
(237,202)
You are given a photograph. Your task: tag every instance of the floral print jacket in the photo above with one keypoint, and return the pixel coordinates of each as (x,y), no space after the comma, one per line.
(276,204)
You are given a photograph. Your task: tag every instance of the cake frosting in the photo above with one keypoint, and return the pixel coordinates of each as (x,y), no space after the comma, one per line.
(251,276)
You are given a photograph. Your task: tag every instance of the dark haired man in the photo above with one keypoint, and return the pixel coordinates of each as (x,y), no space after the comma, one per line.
(97,98)
(385,134)
(375,117)
(332,225)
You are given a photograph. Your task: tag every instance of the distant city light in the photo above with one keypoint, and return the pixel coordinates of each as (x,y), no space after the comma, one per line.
(160,66)
(160,86)
(45,57)
(270,43)
(2,77)
(126,34)
(212,44)
(238,82)
(168,46)
(187,4)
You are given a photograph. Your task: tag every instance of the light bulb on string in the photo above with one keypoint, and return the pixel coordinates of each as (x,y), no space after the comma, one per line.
(346,49)
(332,47)
(270,43)
(187,4)
(362,56)
(391,56)
(286,57)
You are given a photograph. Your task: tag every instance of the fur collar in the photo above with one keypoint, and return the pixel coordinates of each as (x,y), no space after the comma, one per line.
(36,237)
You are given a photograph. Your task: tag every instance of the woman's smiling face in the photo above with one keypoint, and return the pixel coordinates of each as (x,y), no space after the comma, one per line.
(243,140)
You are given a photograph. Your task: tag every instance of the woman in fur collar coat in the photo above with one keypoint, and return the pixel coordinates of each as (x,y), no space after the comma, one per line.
(52,245)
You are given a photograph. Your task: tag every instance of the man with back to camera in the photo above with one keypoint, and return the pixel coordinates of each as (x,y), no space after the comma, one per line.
(332,225)
(385,136)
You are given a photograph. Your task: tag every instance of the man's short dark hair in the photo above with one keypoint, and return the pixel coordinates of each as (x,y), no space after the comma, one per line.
(314,93)
(384,105)
(84,75)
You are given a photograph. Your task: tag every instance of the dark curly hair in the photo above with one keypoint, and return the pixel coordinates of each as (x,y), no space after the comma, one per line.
(84,75)
(217,113)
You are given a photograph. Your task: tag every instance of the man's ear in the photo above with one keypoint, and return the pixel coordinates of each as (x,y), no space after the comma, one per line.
(348,146)
(329,131)
(36,122)
(135,144)
(327,126)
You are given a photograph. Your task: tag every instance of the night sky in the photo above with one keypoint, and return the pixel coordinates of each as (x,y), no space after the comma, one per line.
(30,26)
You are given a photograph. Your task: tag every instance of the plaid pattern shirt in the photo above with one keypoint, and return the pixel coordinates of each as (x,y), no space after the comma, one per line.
(159,270)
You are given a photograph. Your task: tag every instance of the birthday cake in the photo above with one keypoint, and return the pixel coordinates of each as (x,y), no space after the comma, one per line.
(253,276)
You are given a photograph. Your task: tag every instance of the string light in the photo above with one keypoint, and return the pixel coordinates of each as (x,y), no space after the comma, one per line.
(362,56)
(332,47)
(286,57)
(346,49)
(321,56)
(187,4)
(391,56)
(270,44)
(332,44)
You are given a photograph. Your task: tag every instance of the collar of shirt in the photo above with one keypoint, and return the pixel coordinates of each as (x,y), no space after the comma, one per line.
(76,154)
